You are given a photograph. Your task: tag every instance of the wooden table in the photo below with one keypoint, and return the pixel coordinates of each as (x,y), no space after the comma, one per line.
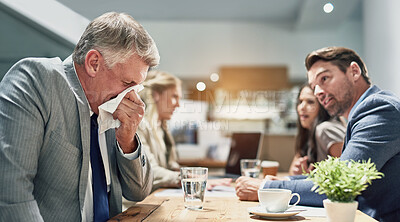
(215,209)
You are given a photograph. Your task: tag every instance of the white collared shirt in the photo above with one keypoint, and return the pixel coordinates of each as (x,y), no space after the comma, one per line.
(87,210)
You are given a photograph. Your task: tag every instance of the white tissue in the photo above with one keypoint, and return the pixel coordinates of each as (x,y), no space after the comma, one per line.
(105,119)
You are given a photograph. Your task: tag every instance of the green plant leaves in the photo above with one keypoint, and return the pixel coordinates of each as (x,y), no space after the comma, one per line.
(342,181)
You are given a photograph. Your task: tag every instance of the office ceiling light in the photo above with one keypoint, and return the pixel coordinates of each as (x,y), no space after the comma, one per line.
(201,86)
(328,7)
(214,77)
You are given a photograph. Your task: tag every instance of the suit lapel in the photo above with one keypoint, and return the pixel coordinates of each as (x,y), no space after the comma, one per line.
(115,190)
(373,90)
(84,119)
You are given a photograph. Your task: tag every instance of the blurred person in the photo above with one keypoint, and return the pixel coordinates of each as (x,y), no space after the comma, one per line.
(161,94)
(340,81)
(54,164)
(319,134)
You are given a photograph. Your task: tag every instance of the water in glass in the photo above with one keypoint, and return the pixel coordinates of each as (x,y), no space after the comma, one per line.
(194,190)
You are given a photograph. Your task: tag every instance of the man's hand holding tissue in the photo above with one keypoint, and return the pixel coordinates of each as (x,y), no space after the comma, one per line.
(130,113)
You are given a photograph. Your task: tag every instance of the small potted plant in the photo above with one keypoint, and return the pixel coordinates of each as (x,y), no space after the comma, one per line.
(342,182)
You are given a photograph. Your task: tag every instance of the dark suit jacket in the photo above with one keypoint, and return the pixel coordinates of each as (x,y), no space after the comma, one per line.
(372,132)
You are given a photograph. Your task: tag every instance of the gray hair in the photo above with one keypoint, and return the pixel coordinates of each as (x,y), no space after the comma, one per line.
(117,36)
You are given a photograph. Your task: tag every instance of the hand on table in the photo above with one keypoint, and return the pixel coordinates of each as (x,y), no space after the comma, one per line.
(270,177)
(246,188)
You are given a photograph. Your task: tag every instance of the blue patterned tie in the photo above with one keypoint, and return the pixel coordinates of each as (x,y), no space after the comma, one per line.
(99,186)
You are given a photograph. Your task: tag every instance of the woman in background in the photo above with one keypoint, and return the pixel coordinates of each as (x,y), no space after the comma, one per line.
(161,94)
(319,134)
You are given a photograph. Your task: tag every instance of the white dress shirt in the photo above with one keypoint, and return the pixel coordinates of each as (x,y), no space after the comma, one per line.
(87,210)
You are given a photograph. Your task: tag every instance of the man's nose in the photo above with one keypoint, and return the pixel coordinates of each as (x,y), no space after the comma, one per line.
(318,91)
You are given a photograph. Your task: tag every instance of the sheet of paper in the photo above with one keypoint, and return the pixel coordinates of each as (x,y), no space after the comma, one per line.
(224,189)
(218,191)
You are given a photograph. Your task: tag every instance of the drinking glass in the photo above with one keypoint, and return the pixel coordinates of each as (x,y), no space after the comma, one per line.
(194,180)
(250,167)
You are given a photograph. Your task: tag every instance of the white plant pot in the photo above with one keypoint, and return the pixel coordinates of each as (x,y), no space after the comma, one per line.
(340,212)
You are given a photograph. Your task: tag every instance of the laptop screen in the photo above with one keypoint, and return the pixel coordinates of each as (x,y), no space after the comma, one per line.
(243,146)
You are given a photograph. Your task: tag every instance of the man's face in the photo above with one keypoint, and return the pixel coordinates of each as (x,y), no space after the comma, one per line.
(333,88)
(122,76)
(167,102)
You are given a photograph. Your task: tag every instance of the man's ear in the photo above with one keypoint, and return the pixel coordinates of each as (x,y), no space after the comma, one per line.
(92,62)
(355,70)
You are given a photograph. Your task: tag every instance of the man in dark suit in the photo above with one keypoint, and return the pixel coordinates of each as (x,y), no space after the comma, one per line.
(46,106)
(340,81)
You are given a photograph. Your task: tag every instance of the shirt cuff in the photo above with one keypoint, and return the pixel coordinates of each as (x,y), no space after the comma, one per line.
(134,154)
(262,184)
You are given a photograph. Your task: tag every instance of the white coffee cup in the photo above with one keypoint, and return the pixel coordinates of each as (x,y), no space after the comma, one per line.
(276,200)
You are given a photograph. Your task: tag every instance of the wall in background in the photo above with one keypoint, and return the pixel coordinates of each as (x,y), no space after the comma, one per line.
(381,43)
(21,38)
(197,49)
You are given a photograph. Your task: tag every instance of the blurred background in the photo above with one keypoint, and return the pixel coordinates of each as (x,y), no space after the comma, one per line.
(241,61)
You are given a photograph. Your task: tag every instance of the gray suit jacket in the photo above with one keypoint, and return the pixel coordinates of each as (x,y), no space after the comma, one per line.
(45,143)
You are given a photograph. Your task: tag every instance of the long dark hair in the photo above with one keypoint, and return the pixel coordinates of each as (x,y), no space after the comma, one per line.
(305,139)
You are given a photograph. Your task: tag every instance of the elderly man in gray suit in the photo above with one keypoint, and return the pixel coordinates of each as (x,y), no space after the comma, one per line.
(46,105)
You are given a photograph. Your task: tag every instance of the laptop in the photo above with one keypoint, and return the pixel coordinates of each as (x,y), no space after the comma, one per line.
(244,145)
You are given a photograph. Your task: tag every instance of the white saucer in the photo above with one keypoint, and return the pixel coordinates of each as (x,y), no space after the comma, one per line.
(260,211)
